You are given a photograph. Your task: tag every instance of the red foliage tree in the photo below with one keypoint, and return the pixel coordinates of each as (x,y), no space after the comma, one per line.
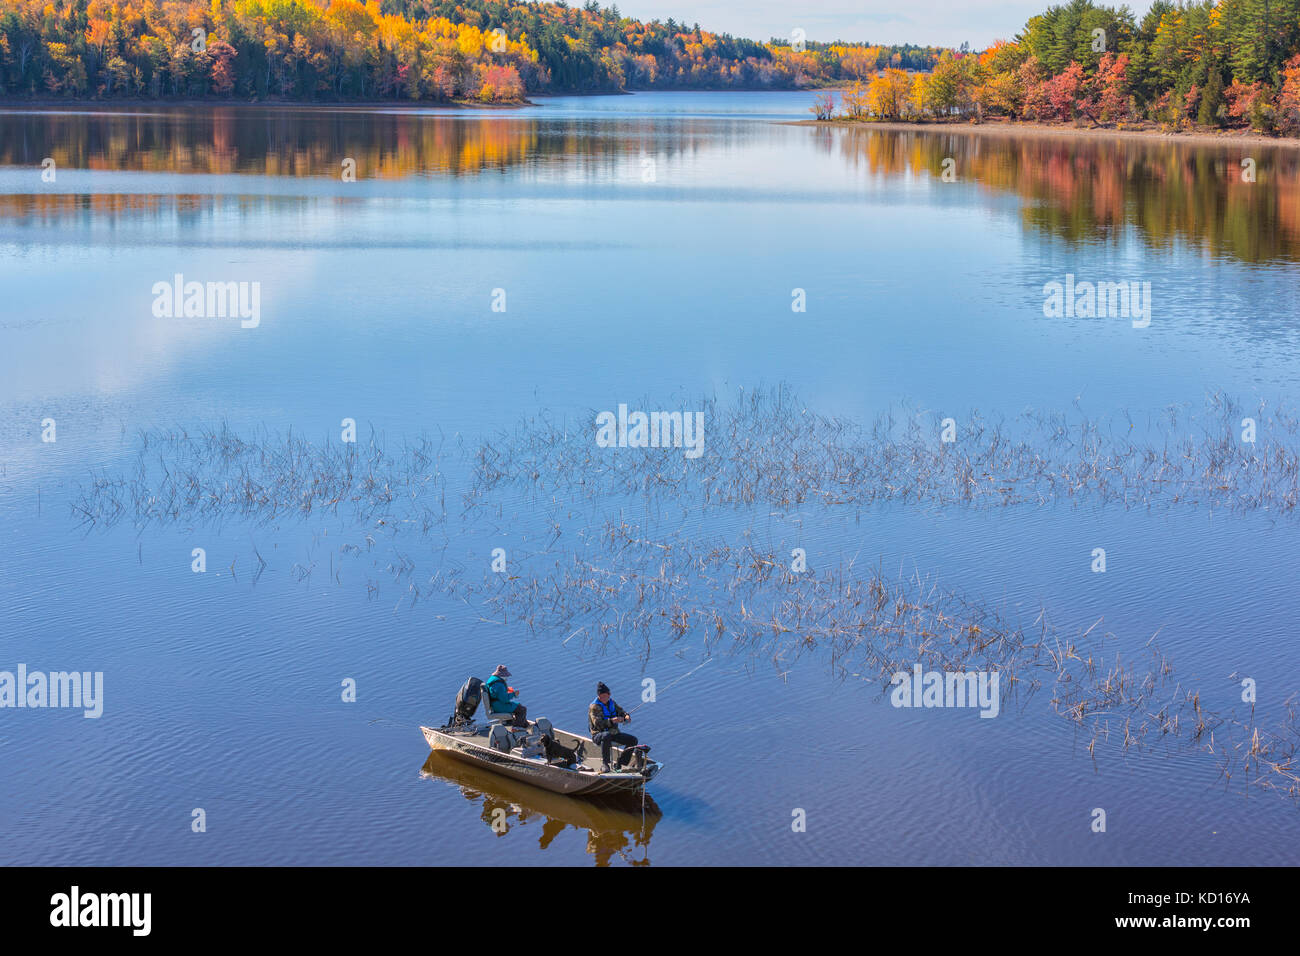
(222,56)
(1288,98)
(1063,92)
(1112,88)
(1251,103)
(1036,105)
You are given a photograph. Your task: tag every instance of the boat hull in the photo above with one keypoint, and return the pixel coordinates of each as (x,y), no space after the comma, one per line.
(470,744)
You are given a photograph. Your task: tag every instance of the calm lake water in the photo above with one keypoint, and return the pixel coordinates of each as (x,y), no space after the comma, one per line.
(647,249)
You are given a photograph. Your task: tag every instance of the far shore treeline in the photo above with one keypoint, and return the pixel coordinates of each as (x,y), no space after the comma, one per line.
(339,50)
(1235,63)
(1210,64)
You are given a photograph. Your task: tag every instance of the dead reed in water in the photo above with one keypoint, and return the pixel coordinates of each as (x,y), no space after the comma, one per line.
(215,474)
(622,587)
(767,448)
(628,591)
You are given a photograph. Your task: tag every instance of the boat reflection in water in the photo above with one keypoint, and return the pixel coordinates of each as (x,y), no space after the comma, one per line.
(613,826)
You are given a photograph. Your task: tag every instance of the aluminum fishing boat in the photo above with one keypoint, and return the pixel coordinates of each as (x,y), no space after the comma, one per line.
(470,741)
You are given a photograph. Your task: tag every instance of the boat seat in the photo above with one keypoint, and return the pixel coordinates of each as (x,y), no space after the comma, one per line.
(491,717)
(530,742)
(499,738)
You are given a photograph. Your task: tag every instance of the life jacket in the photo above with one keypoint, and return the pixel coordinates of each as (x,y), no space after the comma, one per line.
(610,710)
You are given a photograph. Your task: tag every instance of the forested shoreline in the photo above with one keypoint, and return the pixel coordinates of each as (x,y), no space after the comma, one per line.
(1234,64)
(414,50)
(1204,64)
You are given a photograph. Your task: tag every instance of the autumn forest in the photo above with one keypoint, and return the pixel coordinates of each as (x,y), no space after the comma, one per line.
(1209,64)
(333,50)
(1235,63)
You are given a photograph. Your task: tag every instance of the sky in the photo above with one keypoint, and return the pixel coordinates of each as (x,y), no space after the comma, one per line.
(937,22)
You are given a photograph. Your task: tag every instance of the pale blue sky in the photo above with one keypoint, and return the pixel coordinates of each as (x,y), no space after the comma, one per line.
(942,22)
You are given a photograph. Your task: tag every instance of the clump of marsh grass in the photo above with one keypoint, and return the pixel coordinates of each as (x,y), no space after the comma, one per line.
(622,586)
(768,448)
(630,591)
(764,449)
(214,473)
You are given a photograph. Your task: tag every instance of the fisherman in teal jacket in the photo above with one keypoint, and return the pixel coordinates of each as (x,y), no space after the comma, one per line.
(501,697)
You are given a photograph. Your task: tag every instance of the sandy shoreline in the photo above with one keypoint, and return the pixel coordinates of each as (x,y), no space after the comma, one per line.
(1052,131)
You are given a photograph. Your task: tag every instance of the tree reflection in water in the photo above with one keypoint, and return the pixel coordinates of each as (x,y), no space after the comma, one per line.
(1085,188)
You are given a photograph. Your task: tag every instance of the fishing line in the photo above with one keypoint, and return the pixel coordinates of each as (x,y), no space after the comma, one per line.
(669,687)
(391,720)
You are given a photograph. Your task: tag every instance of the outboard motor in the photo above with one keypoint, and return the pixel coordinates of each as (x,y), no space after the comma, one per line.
(467,701)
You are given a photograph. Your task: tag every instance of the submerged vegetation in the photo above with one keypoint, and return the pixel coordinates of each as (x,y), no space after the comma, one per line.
(631,591)
(624,585)
(767,448)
